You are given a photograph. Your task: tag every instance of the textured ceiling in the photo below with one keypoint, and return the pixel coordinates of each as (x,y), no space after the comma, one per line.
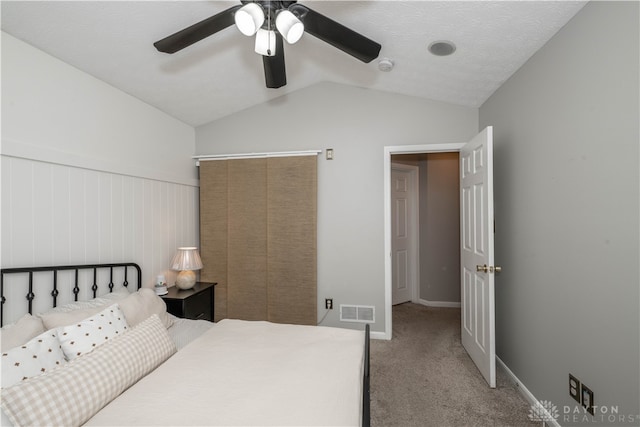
(220,75)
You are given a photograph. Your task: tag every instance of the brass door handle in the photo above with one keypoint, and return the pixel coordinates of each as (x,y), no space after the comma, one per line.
(489,269)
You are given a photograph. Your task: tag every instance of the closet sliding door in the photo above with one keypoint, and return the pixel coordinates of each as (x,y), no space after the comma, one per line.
(292,240)
(213,230)
(258,237)
(247,239)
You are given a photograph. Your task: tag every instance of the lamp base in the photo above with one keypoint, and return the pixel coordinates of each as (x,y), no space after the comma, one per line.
(186,279)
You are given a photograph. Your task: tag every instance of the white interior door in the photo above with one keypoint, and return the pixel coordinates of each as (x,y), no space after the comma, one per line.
(477,256)
(404,234)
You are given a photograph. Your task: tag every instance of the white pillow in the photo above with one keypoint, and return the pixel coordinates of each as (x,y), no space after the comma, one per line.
(55,319)
(82,337)
(74,393)
(101,301)
(22,331)
(41,354)
(114,296)
(140,305)
(79,310)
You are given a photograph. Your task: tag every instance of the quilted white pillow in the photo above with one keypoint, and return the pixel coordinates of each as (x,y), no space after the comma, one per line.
(74,393)
(56,319)
(22,331)
(140,305)
(101,301)
(40,355)
(84,336)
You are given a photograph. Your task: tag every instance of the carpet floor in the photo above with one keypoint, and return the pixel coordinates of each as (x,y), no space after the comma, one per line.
(424,377)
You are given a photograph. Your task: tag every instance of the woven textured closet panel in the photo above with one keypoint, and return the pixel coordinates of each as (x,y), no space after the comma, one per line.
(213,230)
(291,240)
(247,239)
(258,218)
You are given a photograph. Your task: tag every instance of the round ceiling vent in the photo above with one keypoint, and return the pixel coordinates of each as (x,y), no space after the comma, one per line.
(442,48)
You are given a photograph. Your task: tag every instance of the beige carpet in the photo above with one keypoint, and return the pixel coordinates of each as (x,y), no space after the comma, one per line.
(424,377)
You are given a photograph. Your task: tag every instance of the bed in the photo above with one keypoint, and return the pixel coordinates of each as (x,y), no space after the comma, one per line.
(123,360)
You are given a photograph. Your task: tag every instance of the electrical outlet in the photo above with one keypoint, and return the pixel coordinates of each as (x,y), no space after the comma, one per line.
(587,399)
(328,303)
(574,388)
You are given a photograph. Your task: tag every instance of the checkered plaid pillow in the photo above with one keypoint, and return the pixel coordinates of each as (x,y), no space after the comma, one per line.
(73,393)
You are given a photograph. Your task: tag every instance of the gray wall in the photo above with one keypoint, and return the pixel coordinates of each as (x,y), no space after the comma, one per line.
(566,203)
(440,228)
(439,218)
(357,124)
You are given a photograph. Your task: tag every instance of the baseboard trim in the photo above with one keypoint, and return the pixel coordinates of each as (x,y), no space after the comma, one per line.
(448,304)
(379,336)
(524,391)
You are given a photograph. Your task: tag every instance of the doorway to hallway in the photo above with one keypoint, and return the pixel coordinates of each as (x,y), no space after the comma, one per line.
(425,229)
(477,254)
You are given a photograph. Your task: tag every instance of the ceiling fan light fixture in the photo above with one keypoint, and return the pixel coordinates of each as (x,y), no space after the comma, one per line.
(249,18)
(265,42)
(289,26)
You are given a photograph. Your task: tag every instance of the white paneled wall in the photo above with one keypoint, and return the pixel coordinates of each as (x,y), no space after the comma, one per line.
(55,215)
(89,174)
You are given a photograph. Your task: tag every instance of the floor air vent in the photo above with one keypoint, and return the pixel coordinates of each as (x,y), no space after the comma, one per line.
(357,313)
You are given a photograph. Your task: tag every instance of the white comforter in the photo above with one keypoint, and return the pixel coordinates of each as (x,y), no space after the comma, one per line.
(251,374)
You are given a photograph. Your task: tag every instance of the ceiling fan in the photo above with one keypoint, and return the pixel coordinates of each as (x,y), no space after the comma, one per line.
(271,22)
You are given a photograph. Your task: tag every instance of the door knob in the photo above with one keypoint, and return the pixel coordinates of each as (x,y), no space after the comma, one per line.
(487,269)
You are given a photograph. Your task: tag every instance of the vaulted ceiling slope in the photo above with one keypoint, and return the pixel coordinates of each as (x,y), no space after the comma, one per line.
(220,75)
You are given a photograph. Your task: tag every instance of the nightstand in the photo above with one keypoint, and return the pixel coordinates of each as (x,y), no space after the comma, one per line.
(194,303)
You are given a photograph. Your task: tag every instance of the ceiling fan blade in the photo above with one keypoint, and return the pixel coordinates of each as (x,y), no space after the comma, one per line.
(197,32)
(336,34)
(274,70)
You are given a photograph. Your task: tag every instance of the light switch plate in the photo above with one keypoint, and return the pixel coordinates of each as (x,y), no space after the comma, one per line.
(587,399)
(329,153)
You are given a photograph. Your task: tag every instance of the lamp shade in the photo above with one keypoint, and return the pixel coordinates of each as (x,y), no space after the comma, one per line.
(249,18)
(186,259)
(266,42)
(289,26)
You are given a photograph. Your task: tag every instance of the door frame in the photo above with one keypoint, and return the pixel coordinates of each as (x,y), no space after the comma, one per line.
(413,227)
(388,151)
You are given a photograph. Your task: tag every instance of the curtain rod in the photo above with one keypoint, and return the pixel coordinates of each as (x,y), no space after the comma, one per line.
(255,155)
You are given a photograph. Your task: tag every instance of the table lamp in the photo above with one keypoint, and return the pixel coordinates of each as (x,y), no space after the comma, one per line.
(186,260)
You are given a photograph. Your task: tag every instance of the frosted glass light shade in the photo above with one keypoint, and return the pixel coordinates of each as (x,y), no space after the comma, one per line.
(265,42)
(289,26)
(249,18)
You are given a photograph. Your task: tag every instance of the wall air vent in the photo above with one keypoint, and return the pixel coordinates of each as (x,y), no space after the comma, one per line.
(357,313)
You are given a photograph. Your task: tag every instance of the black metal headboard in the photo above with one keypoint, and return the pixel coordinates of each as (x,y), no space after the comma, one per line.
(54,292)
